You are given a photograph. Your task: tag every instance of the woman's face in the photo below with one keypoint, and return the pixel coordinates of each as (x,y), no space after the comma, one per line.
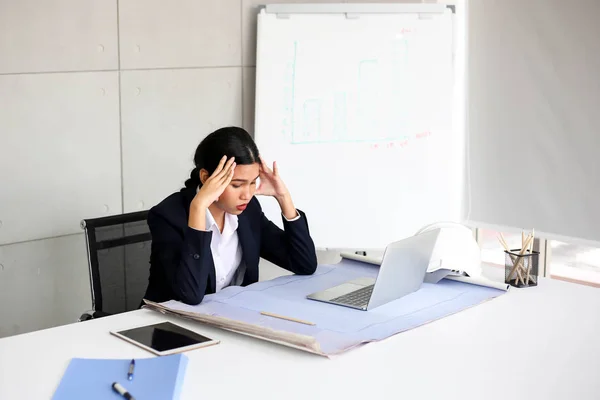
(240,190)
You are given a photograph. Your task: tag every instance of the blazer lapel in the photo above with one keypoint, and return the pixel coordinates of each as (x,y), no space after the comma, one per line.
(188,195)
(250,251)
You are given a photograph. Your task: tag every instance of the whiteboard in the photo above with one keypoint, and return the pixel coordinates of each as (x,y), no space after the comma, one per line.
(357,109)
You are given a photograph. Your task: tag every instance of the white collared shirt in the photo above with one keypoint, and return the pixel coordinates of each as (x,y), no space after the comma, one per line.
(225,247)
(227,250)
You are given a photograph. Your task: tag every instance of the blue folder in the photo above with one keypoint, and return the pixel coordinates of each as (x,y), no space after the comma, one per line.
(154,378)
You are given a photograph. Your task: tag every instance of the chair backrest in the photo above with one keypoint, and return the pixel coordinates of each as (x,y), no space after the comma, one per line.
(118,250)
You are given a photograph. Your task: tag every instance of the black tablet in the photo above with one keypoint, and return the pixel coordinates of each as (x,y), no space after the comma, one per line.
(165,338)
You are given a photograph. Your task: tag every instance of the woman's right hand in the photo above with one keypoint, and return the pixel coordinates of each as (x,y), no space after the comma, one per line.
(216,184)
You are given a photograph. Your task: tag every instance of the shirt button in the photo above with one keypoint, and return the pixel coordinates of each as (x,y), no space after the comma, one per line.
(196,256)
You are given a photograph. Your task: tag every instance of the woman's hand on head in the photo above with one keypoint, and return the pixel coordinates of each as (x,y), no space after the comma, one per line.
(216,184)
(271,183)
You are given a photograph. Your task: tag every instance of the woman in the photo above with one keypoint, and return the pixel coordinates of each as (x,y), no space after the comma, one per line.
(212,233)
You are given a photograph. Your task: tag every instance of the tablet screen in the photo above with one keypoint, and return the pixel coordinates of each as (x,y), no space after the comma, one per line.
(164,336)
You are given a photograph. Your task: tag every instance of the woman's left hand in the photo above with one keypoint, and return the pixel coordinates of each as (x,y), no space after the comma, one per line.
(270,182)
(272,185)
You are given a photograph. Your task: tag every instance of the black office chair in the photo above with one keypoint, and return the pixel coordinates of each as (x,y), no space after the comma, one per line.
(118,249)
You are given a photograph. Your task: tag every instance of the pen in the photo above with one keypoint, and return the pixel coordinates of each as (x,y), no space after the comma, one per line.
(286,318)
(131,367)
(122,391)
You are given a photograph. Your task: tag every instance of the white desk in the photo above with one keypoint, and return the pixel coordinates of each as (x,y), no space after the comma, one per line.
(536,343)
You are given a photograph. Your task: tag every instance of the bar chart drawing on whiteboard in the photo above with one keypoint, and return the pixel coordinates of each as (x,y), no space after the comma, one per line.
(364,102)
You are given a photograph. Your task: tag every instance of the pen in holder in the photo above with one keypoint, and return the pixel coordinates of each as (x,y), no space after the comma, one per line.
(521,267)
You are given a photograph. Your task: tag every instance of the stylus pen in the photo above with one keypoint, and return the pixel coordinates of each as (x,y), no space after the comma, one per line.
(122,391)
(131,367)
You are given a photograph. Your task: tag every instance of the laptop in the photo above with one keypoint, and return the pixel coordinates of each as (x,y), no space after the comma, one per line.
(402,271)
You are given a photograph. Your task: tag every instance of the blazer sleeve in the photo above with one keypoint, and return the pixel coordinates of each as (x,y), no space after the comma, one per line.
(291,248)
(186,260)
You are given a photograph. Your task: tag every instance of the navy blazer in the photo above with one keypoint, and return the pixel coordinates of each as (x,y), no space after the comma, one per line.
(181,261)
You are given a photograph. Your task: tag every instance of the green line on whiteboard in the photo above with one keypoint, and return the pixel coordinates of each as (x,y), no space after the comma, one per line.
(293,88)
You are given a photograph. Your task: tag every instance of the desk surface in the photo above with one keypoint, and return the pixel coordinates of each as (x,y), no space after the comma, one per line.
(539,342)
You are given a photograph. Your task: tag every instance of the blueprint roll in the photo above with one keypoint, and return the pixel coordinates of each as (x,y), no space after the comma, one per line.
(361,258)
(480,281)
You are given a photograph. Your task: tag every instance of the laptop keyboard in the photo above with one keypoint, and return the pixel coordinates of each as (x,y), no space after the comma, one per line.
(358,298)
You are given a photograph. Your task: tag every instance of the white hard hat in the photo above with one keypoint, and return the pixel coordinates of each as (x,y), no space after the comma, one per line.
(456,249)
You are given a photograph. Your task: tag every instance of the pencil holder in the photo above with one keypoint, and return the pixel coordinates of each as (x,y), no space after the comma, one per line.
(521,268)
